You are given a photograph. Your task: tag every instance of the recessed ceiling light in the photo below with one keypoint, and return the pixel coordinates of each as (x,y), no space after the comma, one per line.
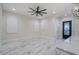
(13,9)
(54,12)
(76,8)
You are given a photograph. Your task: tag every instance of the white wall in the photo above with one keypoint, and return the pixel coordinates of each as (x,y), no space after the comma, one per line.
(24,27)
(28,27)
(47,28)
(0,23)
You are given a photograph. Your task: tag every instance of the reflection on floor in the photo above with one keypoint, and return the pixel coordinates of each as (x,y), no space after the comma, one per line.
(28,47)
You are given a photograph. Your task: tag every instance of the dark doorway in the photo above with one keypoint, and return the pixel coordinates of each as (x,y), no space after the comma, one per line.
(67,29)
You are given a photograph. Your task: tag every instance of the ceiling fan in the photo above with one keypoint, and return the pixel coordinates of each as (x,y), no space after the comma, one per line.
(37,11)
(76,11)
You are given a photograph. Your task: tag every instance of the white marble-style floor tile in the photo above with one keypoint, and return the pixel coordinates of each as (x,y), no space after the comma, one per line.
(28,47)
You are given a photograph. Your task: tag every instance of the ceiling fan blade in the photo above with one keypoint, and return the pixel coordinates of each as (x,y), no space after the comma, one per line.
(32,9)
(40,14)
(43,10)
(37,8)
(33,14)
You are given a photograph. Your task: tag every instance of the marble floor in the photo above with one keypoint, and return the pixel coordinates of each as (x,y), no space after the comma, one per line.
(25,46)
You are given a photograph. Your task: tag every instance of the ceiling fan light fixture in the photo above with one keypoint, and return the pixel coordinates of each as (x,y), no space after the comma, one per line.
(76,11)
(37,11)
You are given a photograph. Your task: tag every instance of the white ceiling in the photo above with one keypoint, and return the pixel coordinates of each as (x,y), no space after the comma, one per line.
(61,9)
